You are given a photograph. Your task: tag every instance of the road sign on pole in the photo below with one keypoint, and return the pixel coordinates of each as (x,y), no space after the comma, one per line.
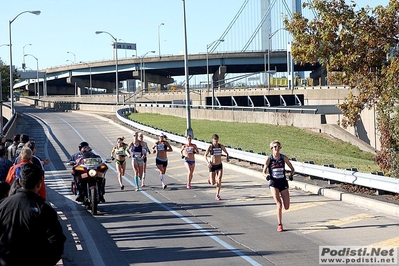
(125,45)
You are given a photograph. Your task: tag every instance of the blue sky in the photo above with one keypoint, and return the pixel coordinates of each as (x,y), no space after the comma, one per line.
(69,26)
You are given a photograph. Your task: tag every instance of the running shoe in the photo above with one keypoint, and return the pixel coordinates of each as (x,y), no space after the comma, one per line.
(209,180)
(137,188)
(164,186)
(218,197)
(122,187)
(280,228)
(142,184)
(189,186)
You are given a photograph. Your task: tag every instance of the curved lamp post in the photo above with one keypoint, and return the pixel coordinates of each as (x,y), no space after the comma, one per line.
(189,130)
(36,12)
(143,70)
(91,88)
(159,38)
(74,56)
(116,63)
(23,53)
(37,75)
(207,69)
(124,49)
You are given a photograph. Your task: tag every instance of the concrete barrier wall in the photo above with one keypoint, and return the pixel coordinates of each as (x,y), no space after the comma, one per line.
(312,121)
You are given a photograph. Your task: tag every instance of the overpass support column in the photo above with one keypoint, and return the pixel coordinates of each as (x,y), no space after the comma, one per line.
(319,74)
(158,79)
(82,83)
(218,77)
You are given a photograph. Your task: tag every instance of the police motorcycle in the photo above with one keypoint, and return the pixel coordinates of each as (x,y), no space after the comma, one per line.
(89,179)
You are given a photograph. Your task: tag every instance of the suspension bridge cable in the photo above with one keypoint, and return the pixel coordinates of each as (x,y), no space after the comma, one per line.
(216,44)
(287,8)
(313,11)
(265,15)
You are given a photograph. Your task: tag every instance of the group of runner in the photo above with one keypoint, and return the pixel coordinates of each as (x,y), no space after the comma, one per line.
(274,167)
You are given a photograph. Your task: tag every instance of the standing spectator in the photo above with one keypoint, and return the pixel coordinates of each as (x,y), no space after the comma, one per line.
(5,164)
(188,152)
(35,159)
(145,145)
(161,147)
(274,170)
(23,139)
(29,226)
(26,157)
(119,152)
(13,148)
(215,166)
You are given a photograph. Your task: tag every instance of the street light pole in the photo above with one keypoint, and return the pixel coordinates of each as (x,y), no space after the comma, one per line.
(23,57)
(36,12)
(189,130)
(74,56)
(91,88)
(124,49)
(207,69)
(159,38)
(37,75)
(116,63)
(143,70)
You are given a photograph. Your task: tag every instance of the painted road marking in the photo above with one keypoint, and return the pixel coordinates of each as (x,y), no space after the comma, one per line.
(294,207)
(394,242)
(335,223)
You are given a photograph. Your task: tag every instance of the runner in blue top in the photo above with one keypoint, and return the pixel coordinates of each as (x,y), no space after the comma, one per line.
(137,151)
(141,138)
(274,170)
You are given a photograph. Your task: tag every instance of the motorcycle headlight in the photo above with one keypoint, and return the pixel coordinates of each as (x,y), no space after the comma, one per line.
(92,173)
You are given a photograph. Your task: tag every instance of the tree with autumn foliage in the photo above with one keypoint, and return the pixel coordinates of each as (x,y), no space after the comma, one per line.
(5,79)
(361,42)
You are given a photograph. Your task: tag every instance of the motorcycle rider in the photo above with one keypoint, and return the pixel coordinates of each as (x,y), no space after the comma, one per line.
(74,161)
(86,152)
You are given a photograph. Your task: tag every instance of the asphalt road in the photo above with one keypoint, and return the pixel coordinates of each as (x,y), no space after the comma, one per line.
(178,226)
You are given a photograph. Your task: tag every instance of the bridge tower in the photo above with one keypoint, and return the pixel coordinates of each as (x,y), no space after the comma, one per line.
(273,27)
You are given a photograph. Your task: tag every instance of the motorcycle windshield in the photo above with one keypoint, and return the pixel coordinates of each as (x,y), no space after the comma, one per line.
(91,161)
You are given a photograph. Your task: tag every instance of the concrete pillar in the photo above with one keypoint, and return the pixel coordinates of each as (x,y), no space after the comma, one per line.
(218,77)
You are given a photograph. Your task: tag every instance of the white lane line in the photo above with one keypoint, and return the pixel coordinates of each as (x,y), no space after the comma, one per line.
(182,217)
(198,227)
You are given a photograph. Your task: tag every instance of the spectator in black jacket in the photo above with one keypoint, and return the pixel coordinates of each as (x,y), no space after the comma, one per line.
(30,233)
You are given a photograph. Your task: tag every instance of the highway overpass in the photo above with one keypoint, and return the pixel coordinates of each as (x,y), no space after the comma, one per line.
(64,80)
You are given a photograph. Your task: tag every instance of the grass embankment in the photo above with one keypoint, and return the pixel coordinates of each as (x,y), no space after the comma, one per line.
(298,143)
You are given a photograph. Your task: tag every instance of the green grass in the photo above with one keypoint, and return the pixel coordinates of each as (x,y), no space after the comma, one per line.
(301,144)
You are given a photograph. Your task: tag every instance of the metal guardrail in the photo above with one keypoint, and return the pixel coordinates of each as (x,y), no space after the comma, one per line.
(296,110)
(345,176)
